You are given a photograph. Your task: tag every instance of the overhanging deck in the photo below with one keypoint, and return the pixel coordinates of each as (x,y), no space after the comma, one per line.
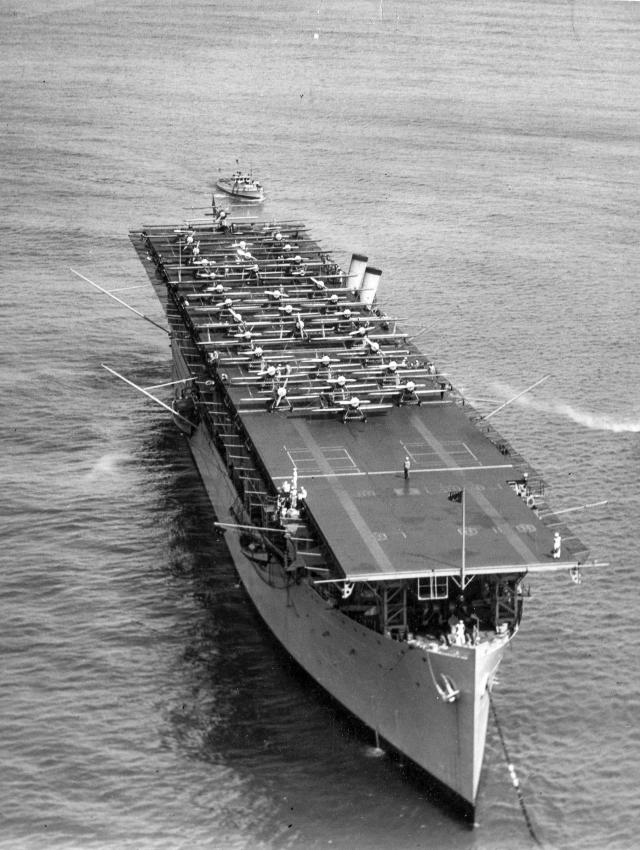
(380,526)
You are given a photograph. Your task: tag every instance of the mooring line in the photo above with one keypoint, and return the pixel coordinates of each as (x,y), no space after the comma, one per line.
(512,773)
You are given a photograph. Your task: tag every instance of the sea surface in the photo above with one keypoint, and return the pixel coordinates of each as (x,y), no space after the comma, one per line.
(486,156)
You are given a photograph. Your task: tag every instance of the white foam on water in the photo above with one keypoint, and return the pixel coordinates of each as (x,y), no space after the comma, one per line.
(108,464)
(592,420)
(374,752)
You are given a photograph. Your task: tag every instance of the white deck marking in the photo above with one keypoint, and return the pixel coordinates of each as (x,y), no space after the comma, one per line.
(337,457)
(481,500)
(377,552)
(470,452)
(424,453)
(398,472)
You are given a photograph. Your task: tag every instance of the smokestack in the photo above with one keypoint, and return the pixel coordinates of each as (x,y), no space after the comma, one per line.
(369,285)
(356,272)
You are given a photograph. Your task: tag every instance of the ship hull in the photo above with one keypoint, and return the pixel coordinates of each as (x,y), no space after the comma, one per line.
(392,687)
(230,187)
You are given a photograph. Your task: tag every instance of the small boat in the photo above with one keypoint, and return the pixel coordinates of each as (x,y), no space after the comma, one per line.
(241,185)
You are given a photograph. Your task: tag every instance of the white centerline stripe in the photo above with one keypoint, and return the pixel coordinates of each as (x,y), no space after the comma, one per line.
(397,472)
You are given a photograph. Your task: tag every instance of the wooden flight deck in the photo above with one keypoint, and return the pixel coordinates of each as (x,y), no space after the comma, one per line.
(326,382)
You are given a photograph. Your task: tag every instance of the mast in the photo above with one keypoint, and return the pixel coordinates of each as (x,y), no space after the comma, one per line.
(464,541)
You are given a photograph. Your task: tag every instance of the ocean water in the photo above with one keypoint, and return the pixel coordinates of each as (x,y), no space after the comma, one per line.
(486,157)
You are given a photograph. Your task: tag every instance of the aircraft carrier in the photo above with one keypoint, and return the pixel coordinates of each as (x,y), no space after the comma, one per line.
(381,526)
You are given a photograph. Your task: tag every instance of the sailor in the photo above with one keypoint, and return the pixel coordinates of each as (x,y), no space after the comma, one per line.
(407,467)
(456,627)
(522,486)
(557,545)
(444,386)
(462,608)
(459,634)
(430,617)
(474,638)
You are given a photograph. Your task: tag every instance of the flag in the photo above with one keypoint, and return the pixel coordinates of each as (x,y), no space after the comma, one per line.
(455,495)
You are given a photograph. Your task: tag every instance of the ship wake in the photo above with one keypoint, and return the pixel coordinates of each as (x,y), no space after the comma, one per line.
(593,421)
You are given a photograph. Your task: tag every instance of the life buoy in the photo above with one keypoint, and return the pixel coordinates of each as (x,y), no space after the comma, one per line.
(531,502)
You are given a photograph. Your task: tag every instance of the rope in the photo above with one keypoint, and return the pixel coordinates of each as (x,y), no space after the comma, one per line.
(512,773)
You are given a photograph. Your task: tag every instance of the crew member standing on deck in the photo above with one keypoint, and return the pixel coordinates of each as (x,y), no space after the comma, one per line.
(557,545)
(407,467)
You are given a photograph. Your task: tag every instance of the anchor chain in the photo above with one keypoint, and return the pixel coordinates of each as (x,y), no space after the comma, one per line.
(512,773)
